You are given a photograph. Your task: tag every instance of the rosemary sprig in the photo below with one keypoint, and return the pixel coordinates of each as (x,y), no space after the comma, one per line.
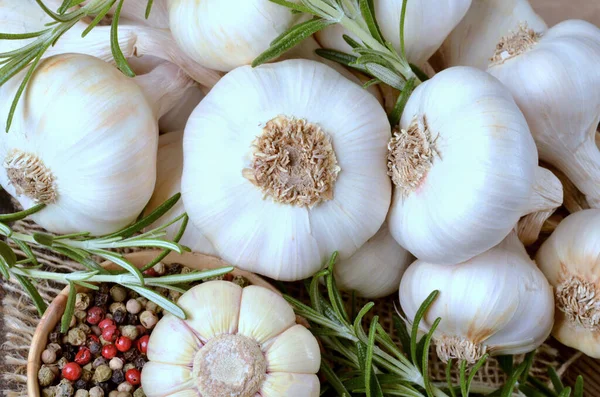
(359,362)
(82,248)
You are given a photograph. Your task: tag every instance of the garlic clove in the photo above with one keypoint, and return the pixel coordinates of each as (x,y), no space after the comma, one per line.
(160,380)
(264,314)
(213,308)
(285,384)
(180,350)
(296,350)
(176,118)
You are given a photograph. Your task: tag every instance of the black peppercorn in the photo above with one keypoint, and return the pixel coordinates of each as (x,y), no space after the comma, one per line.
(139,362)
(132,319)
(130,355)
(54,337)
(95,347)
(104,386)
(69,351)
(118,376)
(80,384)
(174,268)
(105,288)
(100,299)
(119,316)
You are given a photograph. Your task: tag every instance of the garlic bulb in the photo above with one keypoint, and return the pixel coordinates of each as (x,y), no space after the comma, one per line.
(134,40)
(464,166)
(498,303)
(285,164)
(90,156)
(552,79)
(235,342)
(427,24)
(168,182)
(474,40)
(225,34)
(570,260)
(375,270)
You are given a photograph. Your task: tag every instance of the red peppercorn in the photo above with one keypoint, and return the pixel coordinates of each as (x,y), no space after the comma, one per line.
(110,333)
(109,351)
(95,315)
(94,338)
(142,344)
(123,344)
(150,272)
(133,376)
(107,322)
(83,356)
(71,371)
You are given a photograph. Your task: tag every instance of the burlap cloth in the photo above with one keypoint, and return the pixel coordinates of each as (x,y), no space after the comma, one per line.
(19,319)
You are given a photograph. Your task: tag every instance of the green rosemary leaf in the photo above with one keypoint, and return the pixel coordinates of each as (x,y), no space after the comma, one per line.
(351,42)
(463,378)
(120,59)
(475,369)
(27,251)
(295,7)
(149,8)
(529,391)
(158,299)
(71,236)
(166,252)
(155,243)
(69,309)
(87,285)
(425,358)
(189,277)
(556,382)
(291,38)
(64,7)
(368,14)
(361,353)
(340,57)
(122,262)
(81,257)
(402,333)
(98,18)
(147,220)
(18,63)
(326,332)
(370,83)
(566,392)
(37,299)
(421,75)
(50,13)
(358,320)
(371,382)
(449,378)
(417,321)
(313,290)
(16,216)
(396,114)
(21,36)
(578,387)
(167,286)
(7,253)
(506,363)
(512,380)
(542,387)
(44,239)
(529,360)
(75,3)
(5,230)
(402,21)
(386,75)
(4,269)
(334,293)
(333,379)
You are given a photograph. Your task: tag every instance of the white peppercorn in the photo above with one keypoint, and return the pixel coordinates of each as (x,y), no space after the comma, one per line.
(116,306)
(142,301)
(96,392)
(82,301)
(159,268)
(133,306)
(45,376)
(64,389)
(151,306)
(118,293)
(80,315)
(123,394)
(54,368)
(130,331)
(148,319)
(48,356)
(82,393)
(113,393)
(125,386)
(115,363)
(54,347)
(49,392)
(85,328)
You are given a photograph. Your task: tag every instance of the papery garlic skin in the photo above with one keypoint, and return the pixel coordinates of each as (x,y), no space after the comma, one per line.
(225,34)
(375,270)
(498,303)
(241,342)
(553,81)
(473,169)
(290,233)
(474,40)
(94,150)
(427,24)
(570,259)
(168,183)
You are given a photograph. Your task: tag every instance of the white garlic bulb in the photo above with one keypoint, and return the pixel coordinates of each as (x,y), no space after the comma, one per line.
(225,34)
(168,183)
(427,24)
(498,303)
(474,40)
(285,164)
(90,156)
(553,79)
(464,166)
(570,260)
(375,270)
(235,342)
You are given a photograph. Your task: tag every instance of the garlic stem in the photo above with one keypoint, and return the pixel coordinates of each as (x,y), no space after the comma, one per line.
(164,87)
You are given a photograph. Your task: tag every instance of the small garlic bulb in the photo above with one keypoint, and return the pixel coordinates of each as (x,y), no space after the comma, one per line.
(375,270)
(235,342)
(285,164)
(464,165)
(225,34)
(90,156)
(168,183)
(553,78)
(570,259)
(427,24)
(474,40)
(498,303)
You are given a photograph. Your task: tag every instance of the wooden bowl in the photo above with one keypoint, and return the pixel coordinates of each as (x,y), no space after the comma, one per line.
(56,309)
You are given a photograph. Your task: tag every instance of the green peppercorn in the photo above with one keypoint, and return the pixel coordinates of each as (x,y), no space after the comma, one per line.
(82,393)
(139,393)
(76,337)
(86,375)
(85,328)
(80,315)
(45,376)
(102,373)
(117,306)
(130,331)
(118,293)
(96,392)
(65,389)
(62,362)
(49,392)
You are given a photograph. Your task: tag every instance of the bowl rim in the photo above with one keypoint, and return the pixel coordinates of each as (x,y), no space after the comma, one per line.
(56,308)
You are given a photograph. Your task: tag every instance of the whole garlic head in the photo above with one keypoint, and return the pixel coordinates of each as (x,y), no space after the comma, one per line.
(427,24)
(168,183)
(464,165)
(570,259)
(90,156)
(285,164)
(473,42)
(553,79)
(375,270)
(235,342)
(498,303)
(225,34)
